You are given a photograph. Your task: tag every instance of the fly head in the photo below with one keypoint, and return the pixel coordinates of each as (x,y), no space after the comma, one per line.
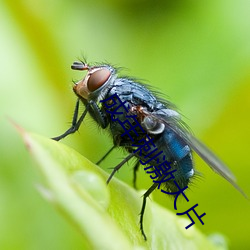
(93,83)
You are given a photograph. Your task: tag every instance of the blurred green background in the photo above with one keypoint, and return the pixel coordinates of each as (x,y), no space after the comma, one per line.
(195,52)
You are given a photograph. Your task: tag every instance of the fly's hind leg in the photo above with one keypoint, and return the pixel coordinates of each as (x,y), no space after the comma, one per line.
(145,196)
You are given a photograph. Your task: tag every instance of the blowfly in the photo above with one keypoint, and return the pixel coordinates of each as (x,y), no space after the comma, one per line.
(152,119)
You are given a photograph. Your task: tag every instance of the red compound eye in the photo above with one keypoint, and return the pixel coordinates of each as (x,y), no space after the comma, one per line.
(97,79)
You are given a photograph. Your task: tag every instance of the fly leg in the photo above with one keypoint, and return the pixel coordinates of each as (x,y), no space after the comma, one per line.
(145,196)
(97,114)
(105,155)
(137,164)
(75,124)
(119,166)
(135,169)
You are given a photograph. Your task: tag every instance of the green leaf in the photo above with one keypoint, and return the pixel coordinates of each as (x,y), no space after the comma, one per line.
(106,216)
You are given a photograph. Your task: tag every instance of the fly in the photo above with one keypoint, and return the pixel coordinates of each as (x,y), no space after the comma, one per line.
(158,118)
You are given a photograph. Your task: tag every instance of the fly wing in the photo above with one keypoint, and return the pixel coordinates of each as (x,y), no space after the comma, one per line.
(176,125)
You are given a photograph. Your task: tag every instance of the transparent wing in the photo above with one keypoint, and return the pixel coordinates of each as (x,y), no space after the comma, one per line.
(176,125)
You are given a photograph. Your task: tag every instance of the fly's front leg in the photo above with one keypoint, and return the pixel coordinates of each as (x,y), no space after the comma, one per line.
(97,114)
(75,123)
